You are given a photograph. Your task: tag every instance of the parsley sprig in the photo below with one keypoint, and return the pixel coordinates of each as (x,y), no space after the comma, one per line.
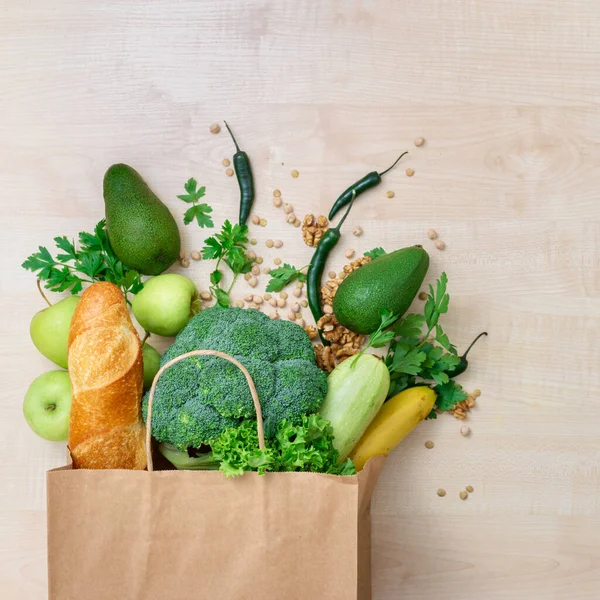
(71,268)
(283,276)
(415,357)
(229,247)
(200,212)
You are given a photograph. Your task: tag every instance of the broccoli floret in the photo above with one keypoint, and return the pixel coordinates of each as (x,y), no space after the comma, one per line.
(197,399)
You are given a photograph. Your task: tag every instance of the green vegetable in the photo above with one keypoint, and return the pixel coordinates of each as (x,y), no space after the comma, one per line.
(283,276)
(180,459)
(199,398)
(243,172)
(415,357)
(356,391)
(228,246)
(464,363)
(317,265)
(381,336)
(305,446)
(362,185)
(95,260)
(388,283)
(200,212)
(141,229)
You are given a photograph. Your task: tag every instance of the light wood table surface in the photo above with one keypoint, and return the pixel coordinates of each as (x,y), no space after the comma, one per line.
(506,94)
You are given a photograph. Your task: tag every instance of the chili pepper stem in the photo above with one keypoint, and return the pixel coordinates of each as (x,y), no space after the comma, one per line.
(338,226)
(232,137)
(389,168)
(464,356)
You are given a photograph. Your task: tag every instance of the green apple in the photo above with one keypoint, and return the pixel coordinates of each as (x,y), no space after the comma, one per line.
(47,406)
(49,330)
(151,359)
(166,304)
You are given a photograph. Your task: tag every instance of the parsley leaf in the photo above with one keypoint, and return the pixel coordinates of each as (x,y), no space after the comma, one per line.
(406,360)
(71,268)
(283,276)
(449,394)
(198,212)
(409,326)
(375,253)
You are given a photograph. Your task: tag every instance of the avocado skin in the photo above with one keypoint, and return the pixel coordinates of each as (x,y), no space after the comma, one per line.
(141,229)
(390,282)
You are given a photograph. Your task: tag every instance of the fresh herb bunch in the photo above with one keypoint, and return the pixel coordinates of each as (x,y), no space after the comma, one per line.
(306,446)
(94,261)
(228,246)
(430,357)
(200,212)
(283,276)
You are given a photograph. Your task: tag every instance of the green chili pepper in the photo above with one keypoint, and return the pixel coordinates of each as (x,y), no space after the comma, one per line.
(461,367)
(243,172)
(362,185)
(317,266)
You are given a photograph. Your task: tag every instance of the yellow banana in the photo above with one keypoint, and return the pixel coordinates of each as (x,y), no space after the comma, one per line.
(394,421)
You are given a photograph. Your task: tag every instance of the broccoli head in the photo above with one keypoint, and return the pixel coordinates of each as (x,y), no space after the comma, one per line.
(197,399)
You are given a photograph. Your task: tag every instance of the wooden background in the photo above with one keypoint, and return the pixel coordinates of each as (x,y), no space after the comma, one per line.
(506,94)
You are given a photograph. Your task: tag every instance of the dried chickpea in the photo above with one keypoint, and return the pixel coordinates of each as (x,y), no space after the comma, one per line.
(247,276)
(297,292)
(328,309)
(273,301)
(267,296)
(304,303)
(205,295)
(185,263)
(277,202)
(252,282)
(258,260)
(389,194)
(281,302)
(196,255)
(277,261)
(278,243)
(432,234)
(295,174)
(255,270)
(277,193)
(248,297)
(410,172)
(239,303)
(470,489)
(291,218)
(263,222)
(440,245)
(229,172)
(258,299)
(253,241)
(225,162)
(357,231)
(419,141)
(283,295)
(255,219)
(215,128)
(274,315)
(287,208)
(269,243)
(251,255)
(441,492)
(350,253)
(291,315)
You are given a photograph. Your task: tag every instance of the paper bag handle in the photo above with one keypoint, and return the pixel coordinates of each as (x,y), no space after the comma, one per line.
(239,365)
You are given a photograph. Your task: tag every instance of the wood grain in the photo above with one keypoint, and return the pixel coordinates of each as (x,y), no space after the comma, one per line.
(506,93)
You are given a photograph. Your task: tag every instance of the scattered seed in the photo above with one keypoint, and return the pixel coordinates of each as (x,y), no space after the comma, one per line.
(297,292)
(291,315)
(277,261)
(296,307)
(196,255)
(295,174)
(390,194)
(273,301)
(288,208)
(331,274)
(259,260)
(277,202)
(252,282)
(274,315)
(440,245)
(304,303)
(253,241)
(301,322)
(205,295)
(465,430)
(431,234)
(298,315)
(291,218)
(247,276)
(229,172)
(281,302)
(277,193)
(267,296)
(476,393)
(248,297)
(422,295)
(225,162)
(299,284)
(350,253)
(255,220)
(297,222)
(283,295)
(266,270)
(463,495)
(263,222)
(255,270)
(269,243)
(357,231)
(419,141)
(185,263)
(429,444)
(215,128)
(441,492)
(258,299)
(278,243)
(410,172)
(182,255)
(239,303)
(470,489)
(328,309)
(252,305)
(251,255)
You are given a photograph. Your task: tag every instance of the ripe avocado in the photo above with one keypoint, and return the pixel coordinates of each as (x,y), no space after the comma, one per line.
(141,230)
(390,282)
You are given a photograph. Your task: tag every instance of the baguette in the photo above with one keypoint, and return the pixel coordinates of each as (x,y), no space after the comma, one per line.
(106,430)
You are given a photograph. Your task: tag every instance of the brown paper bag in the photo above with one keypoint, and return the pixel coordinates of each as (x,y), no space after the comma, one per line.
(195,535)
